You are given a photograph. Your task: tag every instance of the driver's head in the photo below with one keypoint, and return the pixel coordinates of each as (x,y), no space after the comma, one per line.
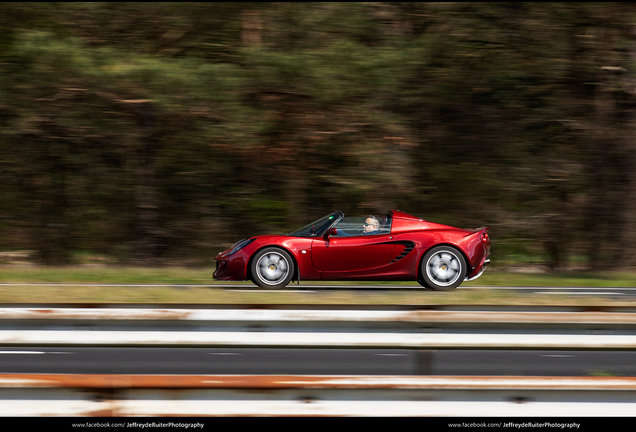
(371,224)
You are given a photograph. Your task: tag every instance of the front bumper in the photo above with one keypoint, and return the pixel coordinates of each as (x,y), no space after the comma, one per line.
(232,268)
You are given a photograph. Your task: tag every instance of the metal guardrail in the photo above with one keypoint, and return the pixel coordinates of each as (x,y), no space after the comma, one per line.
(309,315)
(421,329)
(223,395)
(270,395)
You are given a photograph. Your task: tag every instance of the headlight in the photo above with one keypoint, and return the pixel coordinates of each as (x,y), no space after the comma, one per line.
(239,245)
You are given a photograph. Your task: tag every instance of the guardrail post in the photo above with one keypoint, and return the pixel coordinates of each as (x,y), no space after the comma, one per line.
(424,362)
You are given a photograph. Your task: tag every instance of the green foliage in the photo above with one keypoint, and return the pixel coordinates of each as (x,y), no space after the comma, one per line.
(155,132)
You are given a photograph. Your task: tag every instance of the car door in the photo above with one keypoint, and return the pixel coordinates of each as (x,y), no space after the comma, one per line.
(355,253)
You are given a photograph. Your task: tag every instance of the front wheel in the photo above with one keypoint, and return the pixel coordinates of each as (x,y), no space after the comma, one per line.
(272,268)
(443,268)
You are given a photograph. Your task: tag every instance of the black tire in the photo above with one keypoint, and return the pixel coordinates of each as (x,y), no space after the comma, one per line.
(421,282)
(443,268)
(272,268)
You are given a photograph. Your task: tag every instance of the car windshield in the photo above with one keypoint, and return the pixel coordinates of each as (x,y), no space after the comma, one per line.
(314,227)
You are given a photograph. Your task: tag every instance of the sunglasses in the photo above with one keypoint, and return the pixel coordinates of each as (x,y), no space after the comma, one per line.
(367,224)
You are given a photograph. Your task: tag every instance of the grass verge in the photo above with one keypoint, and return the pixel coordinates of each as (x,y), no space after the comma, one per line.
(212,293)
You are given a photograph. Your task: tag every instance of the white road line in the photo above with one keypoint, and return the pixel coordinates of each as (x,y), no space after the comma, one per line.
(580,293)
(325,286)
(226,354)
(272,291)
(35,352)
(557,355)
(391,355)
(546,287)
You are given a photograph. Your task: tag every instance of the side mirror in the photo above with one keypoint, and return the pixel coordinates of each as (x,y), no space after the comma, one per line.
(331,232)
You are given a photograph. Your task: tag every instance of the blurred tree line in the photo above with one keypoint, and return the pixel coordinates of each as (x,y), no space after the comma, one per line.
(154,133)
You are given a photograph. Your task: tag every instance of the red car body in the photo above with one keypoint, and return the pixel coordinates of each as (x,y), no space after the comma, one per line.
(406,249)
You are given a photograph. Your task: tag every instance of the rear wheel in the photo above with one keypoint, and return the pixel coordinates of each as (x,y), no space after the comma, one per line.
(272,268)
(443,268)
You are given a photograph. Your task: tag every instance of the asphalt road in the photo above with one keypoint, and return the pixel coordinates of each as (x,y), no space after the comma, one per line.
(610,292)
(613,292)
(111,360)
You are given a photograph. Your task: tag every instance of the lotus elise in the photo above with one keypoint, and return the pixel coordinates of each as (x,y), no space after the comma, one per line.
(398,247)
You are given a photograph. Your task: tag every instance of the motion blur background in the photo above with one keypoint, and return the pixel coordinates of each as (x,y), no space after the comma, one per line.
(157,133)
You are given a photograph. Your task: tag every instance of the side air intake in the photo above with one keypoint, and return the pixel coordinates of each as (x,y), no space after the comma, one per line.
(408,247)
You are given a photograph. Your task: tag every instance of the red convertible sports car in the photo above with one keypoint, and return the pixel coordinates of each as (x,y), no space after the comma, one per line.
(398,247)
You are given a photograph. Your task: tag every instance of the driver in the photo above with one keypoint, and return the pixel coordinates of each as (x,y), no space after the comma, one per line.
(371,226)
